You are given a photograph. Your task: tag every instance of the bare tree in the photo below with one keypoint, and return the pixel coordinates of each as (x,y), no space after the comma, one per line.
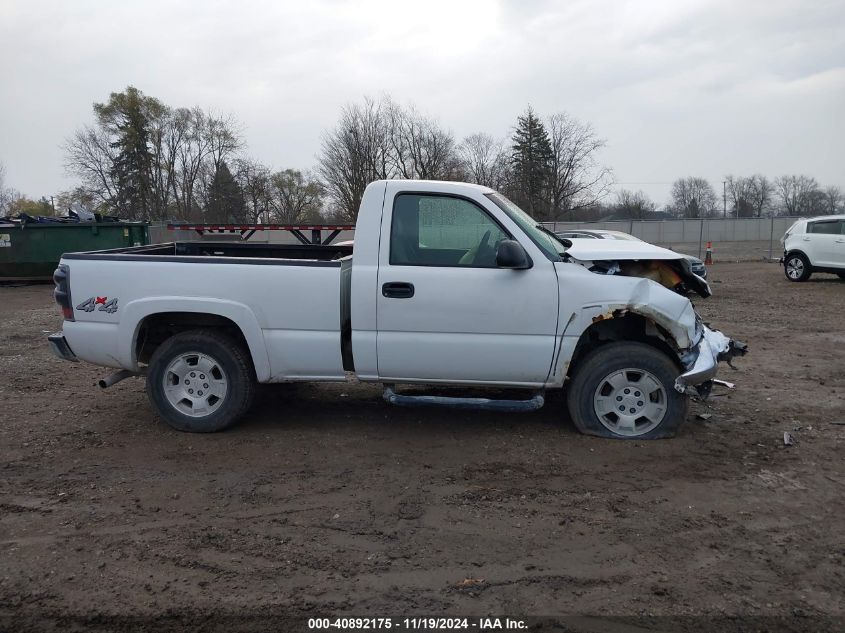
(223,138)
(254,179)
(190,157)
(165,138)
(833,199)
(483,160)
(749,195)
(90,156)
(576,179)
(761,193)
(420,148)
(693,198)
(798,194)
(295,196)
(216,140)
(5,194)
(353,154)
(634,205)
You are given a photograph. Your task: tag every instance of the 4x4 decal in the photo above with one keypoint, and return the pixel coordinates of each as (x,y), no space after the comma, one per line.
(90,304)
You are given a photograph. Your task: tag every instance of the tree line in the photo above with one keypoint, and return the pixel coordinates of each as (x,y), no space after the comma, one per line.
(143,159)
(549,168)
(742,197)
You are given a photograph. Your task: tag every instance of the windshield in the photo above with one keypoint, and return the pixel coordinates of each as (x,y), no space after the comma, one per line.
(619,235)
(541,236)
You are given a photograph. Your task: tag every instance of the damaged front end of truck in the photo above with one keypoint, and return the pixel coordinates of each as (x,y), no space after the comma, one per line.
(659,283)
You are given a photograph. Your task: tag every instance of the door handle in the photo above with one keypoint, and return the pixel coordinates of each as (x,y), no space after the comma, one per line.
(806,239)
(398,290)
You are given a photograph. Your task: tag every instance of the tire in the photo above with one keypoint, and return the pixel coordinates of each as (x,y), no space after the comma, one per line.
(656,409)
(796,267)
(215,368)
(840,275)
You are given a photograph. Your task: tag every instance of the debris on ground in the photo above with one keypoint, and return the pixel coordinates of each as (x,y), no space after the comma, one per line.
(788,440)
(704,416)
(469,582)
(724,383)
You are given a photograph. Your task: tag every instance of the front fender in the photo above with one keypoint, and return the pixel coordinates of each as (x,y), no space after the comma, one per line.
(134,312)
(671,311)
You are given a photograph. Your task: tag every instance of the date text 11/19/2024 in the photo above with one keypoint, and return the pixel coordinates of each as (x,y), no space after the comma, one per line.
(418,624)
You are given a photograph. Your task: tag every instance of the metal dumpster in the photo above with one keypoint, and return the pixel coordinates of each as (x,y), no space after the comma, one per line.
(30,252)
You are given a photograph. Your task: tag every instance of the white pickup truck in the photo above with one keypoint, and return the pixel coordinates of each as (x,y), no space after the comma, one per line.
(449,284)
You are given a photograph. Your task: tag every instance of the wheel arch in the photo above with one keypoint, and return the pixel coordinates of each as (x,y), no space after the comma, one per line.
(797,251)
(146,324)
(622,326)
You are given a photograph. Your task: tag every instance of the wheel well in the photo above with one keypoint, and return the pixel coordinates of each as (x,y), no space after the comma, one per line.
(157,328)
(796,251)
(623,327)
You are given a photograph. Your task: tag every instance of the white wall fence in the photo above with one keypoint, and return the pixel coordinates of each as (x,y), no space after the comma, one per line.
(691,231)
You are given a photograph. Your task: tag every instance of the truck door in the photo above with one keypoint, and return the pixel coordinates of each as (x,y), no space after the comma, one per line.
(446,313)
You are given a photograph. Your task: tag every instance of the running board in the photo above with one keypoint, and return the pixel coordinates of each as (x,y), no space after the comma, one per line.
(483,404)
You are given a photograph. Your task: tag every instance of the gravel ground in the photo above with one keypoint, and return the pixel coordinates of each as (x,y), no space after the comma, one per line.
(325,501)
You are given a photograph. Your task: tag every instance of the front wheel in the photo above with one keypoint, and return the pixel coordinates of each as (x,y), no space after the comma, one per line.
(626,391)
(796,267)
(200,381)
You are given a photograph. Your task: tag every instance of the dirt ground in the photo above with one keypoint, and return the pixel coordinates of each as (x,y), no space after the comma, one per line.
(326,501)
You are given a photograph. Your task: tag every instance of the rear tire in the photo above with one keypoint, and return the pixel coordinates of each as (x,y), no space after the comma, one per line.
(796,267)
(626,391)
(840,275)
(200,381)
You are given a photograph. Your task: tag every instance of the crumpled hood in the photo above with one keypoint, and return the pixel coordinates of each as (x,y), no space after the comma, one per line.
(626,255)
(593,250)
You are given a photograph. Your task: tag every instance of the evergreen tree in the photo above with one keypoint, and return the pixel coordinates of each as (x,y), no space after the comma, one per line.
(226,203)
(530,159)
(127,117)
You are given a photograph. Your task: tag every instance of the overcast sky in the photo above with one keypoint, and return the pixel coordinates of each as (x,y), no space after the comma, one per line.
(677,88)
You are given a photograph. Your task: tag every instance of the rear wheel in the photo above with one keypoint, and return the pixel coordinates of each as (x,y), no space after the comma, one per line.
(200,381)
(626,391)
(840,275)
(796,267)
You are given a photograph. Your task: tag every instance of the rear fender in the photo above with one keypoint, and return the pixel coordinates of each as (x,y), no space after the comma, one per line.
(134,312)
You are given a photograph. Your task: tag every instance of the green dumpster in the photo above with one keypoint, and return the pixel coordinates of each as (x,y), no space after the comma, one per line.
(30,252)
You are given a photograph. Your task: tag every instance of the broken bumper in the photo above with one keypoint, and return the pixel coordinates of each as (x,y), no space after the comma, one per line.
(703,361)
(59,347)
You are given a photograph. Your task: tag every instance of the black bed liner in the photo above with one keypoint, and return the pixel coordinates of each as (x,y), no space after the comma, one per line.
(224,252)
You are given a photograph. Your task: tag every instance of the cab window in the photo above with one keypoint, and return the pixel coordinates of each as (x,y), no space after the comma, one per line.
(436,230)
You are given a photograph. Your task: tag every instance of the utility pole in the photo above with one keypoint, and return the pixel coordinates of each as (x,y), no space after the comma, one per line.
(724,199)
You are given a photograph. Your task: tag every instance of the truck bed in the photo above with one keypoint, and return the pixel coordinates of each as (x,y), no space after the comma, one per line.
(221,252)
(287,301)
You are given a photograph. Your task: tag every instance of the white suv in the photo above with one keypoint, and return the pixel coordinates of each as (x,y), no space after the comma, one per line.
(814,245)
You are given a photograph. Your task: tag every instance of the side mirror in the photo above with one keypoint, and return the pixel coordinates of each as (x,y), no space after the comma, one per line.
(511,254)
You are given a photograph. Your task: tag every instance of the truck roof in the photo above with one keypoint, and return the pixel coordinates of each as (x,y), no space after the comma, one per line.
(447,186)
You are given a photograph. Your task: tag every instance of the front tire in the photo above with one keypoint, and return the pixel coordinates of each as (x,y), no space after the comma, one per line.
(200,381)
(626,391)
(796,267)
